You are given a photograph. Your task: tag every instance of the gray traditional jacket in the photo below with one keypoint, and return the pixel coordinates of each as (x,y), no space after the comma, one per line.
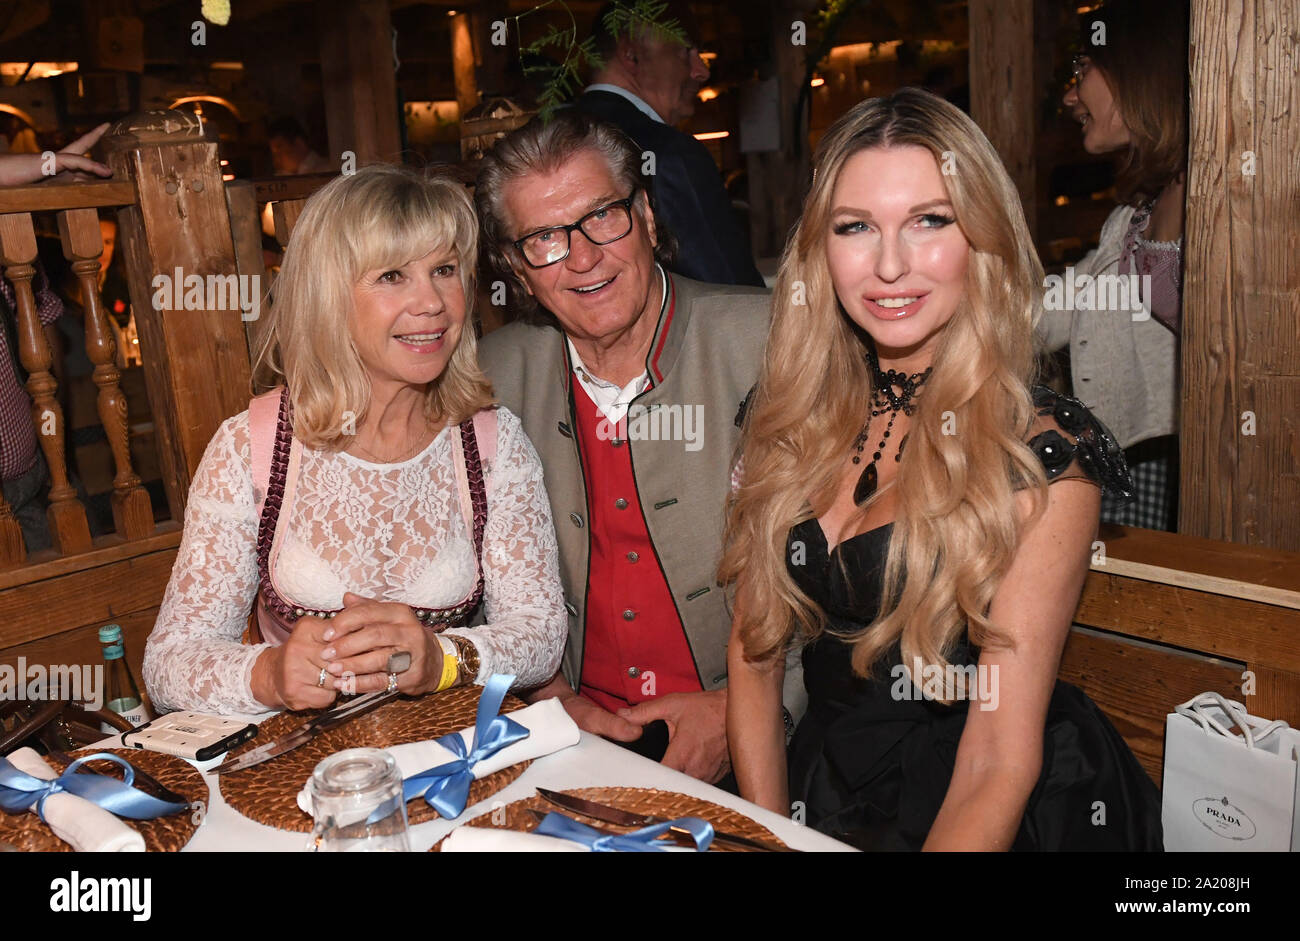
(704,358)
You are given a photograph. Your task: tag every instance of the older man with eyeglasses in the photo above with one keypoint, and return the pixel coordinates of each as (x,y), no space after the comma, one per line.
(629,381)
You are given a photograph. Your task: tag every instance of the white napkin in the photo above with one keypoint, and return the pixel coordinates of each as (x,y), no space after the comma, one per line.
(79,823)
(550,730)
(486,840)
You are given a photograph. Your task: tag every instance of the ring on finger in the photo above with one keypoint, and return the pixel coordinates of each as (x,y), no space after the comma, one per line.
(320,680)
(399,661)
(392,683)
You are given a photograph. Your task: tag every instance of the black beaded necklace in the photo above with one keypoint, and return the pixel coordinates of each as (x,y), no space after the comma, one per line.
(884,399)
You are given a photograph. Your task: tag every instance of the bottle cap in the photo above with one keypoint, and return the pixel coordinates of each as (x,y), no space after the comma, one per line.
(113,652)
(110,634)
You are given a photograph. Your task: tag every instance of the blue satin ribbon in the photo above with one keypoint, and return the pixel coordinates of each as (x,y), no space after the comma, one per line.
(446,787)
(645,840)
(20,790)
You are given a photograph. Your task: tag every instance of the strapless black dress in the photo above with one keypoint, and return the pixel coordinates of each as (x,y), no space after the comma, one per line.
(872,767)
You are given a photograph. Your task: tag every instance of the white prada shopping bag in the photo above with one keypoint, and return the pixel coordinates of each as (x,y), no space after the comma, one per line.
(1225,792)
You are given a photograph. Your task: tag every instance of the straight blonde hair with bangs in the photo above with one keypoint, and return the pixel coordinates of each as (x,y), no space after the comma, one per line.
(379,217)
(957,525)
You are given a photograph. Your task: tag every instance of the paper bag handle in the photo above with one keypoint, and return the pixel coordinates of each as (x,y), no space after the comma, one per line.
(1253,729)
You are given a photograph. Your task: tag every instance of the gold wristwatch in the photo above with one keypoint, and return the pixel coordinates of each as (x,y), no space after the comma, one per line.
(467,659)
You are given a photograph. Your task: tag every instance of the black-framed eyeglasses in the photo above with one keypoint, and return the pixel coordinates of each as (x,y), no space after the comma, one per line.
(603,225)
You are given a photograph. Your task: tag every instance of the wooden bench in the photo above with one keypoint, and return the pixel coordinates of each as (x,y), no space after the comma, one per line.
(1165,616)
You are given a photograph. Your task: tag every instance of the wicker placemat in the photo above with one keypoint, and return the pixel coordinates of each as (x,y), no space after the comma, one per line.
(268,793)
(165,834)
(637,800)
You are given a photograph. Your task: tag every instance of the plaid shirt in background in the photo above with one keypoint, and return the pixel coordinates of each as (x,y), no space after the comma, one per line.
(17,434)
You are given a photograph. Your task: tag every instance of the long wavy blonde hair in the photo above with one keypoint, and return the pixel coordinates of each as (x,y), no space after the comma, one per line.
(380,217)
(957,526)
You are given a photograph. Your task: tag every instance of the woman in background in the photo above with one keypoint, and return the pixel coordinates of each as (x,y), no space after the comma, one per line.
(1130,96)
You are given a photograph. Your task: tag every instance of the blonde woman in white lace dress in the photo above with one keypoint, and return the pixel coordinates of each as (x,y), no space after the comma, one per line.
(372,502)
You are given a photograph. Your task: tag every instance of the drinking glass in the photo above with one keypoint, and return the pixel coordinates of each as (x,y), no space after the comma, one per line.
(356,798)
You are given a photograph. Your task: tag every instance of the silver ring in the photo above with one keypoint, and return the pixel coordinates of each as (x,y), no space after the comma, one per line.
(320,680)
(392,683)
(399,661)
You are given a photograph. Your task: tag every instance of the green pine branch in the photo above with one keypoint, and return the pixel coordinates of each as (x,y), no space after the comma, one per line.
(558,82)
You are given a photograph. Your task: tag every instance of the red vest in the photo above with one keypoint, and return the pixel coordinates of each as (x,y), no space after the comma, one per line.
(635,646)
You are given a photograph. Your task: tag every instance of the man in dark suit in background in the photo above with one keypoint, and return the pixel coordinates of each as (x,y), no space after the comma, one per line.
(647,85)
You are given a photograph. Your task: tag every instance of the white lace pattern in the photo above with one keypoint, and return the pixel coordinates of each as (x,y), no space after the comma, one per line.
(393,532)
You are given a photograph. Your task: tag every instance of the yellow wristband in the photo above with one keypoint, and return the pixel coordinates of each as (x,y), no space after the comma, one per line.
(450,665)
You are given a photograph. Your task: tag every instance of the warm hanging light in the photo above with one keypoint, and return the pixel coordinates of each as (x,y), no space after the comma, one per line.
(216,11)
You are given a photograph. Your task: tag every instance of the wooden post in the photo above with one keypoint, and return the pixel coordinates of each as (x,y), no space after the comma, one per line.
(1003,94)
(778,179)
(1240,436)
(83,243)
(13,551)
(246,232)
(69,529)
(356,55)
(246,228)
(462,63)
(285,213)
(492,60)
(196,357)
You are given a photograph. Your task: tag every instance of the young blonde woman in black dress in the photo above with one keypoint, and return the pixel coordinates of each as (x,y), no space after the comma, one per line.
(919,514)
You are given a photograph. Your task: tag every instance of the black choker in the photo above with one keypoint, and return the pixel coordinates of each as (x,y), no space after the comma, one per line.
(884,399)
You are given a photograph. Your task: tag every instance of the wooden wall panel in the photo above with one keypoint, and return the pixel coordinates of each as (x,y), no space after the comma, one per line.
(1215,625)
(100,595)
(1277,695)
(1241,294)
(1138,684)
(81,644)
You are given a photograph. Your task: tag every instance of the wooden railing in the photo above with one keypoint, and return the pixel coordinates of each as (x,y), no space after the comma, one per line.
(54,602)
(79,231)
(172,216)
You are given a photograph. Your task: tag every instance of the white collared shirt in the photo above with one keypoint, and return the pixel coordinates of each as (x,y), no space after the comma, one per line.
(637,100)
(611,399)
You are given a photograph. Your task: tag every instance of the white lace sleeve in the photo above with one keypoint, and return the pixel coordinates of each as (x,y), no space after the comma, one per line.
(526,625)
(194,658)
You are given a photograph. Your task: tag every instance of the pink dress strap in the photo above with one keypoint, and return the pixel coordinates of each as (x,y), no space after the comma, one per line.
(263,415)
(485,430)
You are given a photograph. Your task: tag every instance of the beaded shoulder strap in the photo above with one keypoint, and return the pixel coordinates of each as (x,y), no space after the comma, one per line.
(273,488)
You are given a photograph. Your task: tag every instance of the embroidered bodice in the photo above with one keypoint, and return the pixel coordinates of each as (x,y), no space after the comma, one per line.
(393,532)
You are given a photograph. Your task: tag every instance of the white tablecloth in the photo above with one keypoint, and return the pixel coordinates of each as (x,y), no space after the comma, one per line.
(593,762)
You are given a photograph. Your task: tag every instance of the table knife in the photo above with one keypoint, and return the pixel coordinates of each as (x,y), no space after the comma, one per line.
(306,732)
(624,818)
(679,837)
